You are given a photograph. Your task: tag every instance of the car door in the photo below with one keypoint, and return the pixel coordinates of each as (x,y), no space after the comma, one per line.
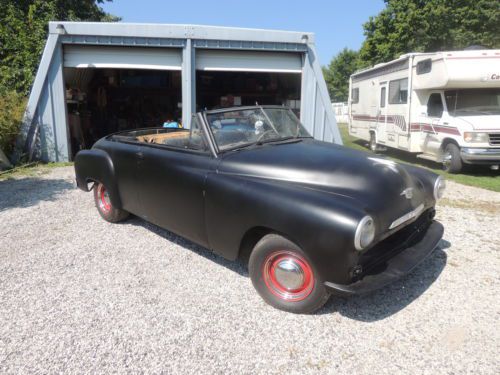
(381,124)
(172,192)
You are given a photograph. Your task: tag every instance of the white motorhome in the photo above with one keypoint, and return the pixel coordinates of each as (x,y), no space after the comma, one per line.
(443,106)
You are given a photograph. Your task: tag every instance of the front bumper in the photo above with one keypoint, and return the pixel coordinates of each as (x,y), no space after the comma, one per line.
(395,267)
(472,155)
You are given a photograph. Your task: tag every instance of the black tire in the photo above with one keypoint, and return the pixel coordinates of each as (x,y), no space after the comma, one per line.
(104,206)
(373,143)
(309,293)
(452,161)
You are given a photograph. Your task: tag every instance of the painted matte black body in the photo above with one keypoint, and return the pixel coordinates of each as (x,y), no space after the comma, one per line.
(311,192)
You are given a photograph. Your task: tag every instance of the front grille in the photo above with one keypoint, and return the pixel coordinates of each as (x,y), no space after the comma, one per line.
(374,260)
(494,139)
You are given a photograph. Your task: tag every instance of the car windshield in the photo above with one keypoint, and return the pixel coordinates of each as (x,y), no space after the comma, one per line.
(473,102)
(240,128)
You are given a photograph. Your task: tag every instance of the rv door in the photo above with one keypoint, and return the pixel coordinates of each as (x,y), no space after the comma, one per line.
(433,120)
(381,122)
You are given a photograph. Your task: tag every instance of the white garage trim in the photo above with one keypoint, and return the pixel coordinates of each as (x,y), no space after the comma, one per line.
(248,61)
(122,57)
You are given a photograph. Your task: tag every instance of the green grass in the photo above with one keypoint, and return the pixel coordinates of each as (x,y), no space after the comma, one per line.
(30,170)
(479,176)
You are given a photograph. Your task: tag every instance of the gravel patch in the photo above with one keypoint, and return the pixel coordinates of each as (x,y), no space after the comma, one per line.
(80,295)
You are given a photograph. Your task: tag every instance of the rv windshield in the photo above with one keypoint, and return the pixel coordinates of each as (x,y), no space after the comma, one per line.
(473,102)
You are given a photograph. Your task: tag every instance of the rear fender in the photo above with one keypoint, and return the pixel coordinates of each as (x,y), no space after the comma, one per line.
(95,165)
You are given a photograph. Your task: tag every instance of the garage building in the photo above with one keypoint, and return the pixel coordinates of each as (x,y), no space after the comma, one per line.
(98,78)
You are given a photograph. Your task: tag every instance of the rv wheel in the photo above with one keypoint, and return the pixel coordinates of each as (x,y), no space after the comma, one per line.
(451,158)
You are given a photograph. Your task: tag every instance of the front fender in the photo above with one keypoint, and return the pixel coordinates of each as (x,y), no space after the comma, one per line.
(320,223)
(95,165)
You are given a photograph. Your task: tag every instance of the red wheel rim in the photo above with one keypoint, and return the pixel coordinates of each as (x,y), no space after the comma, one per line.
(288,276)
(103,197)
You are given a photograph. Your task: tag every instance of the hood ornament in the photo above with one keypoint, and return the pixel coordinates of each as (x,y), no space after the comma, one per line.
(408,193)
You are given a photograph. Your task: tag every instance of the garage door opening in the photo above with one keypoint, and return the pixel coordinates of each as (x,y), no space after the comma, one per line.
(227,89)
(234,78)
(104,101)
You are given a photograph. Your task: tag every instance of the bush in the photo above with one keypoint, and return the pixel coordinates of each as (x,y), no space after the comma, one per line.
(12,106)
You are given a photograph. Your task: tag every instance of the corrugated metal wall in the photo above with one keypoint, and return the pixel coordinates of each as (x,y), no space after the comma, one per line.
(316,110)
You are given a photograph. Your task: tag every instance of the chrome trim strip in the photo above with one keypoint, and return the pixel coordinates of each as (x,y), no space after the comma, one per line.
(410,215)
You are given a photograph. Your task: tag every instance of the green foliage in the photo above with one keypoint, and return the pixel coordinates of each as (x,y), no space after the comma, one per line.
(416,26)
(428,26)
(23,32)
(338,72)
(12,107)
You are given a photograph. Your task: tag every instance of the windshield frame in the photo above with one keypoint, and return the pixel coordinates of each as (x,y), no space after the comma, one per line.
(249,145)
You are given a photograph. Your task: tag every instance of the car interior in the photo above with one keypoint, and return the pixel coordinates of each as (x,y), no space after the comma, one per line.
(190,139)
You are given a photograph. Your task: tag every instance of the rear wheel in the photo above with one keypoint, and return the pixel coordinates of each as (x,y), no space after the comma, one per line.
(284,277)
(452,162)
(105,207)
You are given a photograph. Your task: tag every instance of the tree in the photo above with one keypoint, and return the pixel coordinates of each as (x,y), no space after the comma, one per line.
(428,26)
(23,31)
(338,72)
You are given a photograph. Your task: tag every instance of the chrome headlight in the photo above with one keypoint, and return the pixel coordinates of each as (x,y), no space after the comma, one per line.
(365,233)
(439,187)
(473,137)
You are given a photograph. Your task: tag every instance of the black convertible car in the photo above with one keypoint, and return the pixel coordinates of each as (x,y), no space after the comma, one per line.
(311,218)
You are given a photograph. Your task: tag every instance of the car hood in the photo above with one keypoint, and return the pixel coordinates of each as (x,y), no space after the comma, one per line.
(374,182)
(485,122)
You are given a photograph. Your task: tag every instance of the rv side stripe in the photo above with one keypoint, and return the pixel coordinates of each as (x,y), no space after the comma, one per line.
(401,123)
(398,120)
(416,127)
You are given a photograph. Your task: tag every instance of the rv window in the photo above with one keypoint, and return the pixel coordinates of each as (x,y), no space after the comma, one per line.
(435,105)
(398,91)
(424,66)
(382,97)
(355,95)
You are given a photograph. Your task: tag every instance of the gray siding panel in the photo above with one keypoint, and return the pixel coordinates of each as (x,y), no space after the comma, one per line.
(53,135)
(316,109)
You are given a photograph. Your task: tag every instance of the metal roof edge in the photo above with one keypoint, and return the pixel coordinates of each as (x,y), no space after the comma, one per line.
(179,31)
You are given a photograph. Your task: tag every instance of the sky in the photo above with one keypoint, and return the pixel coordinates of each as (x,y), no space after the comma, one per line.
(336,23)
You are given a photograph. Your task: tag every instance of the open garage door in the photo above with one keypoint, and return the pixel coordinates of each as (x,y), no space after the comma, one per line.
(247,61)
(238,78)
(110,89)
(122,57)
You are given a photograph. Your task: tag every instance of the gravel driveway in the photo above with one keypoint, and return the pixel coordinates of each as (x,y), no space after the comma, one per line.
(78,294)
